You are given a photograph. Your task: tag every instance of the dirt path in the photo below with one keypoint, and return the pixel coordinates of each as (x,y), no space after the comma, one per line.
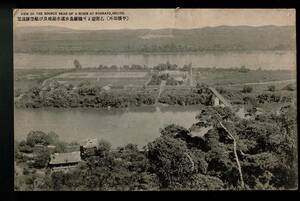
(161,88)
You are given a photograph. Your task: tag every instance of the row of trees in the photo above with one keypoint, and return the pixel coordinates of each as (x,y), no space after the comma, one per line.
(158,67)
(157,79)
(87,95)
(198,95)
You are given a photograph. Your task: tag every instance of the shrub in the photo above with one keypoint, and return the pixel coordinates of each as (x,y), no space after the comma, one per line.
(290,87)
(104,147)
(37,137)
(247,89)
(42,158)
(243,69)
(271,88)
(221,90)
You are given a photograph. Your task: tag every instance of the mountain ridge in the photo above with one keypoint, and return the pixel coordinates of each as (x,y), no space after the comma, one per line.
(224,38)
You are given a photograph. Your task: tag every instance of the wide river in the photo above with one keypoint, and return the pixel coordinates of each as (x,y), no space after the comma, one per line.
(119,127)
(251,59)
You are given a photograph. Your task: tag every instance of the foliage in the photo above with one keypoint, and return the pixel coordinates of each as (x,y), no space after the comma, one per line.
(247,89)
(243,69)
(156,80)
(266,149)
(42,158)
(77,64)
(168,158)
(290,87)
(271,88)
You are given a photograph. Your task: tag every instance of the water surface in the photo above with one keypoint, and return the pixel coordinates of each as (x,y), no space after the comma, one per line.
(119,127)
(251,59)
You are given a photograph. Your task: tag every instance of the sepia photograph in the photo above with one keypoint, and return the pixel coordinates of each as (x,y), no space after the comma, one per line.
(155,99)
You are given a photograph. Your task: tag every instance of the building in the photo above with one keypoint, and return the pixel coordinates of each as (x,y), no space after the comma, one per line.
(218,99)
(89,147)
(64,161)
(107,87)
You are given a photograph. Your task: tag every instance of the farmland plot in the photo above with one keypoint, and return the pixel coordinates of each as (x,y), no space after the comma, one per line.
(105,78)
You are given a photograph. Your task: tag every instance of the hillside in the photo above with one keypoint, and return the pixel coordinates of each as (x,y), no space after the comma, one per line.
(223,38)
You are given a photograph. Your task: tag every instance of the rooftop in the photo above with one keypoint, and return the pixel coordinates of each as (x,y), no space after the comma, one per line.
(62,158)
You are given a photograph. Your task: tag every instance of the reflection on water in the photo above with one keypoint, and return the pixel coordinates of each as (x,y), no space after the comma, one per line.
(136,125)
(251,59)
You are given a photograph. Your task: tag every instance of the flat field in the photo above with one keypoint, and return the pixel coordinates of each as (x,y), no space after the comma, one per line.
(25,79)
(102,78)
(226,77)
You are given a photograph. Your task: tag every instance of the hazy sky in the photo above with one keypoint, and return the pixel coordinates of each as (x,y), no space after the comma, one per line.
(171,18)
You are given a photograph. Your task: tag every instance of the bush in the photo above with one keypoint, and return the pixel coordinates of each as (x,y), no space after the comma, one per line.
(221,90)
(37,137)
(42,158)
(243,69)
(247,89)
(290,87)
(271,88)
(104,147)
(24,147)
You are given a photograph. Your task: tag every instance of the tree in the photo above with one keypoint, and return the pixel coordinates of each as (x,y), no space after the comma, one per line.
(103,147)
(271,88)
(170,160)
(223,118)
(37,137)
(243,69)
(42,158)
(77,64)
(203,182)
(290,87)
(247,89)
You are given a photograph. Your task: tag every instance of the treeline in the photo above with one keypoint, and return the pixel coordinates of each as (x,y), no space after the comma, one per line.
(266,148)
(194,96)
(168,66)
(158,67)
(86,95)
(157,79)
(271,95)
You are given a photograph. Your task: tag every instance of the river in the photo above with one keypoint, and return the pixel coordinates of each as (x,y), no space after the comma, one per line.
(251,59)
(135,125)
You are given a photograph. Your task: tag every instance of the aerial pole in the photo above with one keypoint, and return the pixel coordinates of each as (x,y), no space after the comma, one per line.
(191,74)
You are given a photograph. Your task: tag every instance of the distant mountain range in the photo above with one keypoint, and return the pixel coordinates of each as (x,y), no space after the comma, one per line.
(50,39)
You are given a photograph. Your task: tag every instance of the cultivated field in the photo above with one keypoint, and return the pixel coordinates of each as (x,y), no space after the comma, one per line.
(102,78)
(25,79)
(226,77)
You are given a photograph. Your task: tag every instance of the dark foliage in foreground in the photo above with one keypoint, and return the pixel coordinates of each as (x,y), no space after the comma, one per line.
(177,160)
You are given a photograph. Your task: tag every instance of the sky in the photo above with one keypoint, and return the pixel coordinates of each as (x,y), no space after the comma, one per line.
(167,18)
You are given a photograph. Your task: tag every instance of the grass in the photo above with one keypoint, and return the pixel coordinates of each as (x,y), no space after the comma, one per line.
(226,77)
(25,79)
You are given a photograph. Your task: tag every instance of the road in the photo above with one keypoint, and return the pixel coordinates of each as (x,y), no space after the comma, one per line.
(161,88)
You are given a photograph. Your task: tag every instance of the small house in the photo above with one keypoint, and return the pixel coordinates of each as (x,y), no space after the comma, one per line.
(64,161)
(107,87)
(89,147)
